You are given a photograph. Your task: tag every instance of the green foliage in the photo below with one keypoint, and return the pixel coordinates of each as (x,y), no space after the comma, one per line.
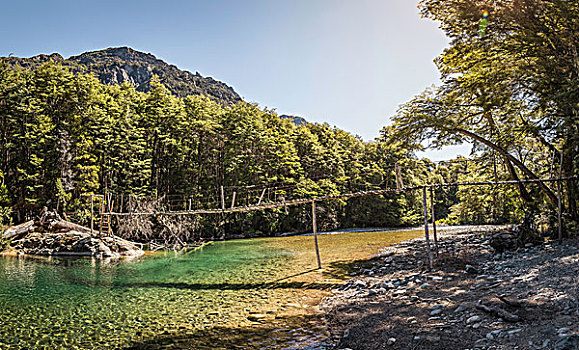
(513,93)
(67,136)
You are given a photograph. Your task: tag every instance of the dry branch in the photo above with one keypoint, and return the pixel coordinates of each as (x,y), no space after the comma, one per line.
(497,311)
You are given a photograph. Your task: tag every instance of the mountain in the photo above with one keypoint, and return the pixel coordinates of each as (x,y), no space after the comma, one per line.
(294,119)
(123,64)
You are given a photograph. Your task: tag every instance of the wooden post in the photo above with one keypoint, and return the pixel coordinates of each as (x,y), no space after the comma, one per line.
(559,204)
(109,204)
(396,172)
(222,199)
(315,229)
(233,200)
(430,263)
(91,213)
(261,197)
(102,210)
(190,204)
(433,221)
(110,217)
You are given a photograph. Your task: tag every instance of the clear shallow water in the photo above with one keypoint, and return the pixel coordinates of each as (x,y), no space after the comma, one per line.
(257,293)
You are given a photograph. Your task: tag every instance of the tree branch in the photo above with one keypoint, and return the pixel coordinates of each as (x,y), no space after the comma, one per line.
(514,161)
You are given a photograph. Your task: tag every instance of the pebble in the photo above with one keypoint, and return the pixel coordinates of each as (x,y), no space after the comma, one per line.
(563,331)
(462,307)
(473,319)
(391,341)
(493,334)
(432,338)
(470,269)
(435,312)
(514,331)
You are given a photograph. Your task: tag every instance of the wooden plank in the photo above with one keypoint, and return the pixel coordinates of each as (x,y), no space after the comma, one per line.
(91,213)
(433,221)
(315,229)
(261,197)
(559,204)
(428,250)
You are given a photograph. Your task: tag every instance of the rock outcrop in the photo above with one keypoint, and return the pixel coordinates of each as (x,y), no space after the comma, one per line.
(119,65)
(48,234)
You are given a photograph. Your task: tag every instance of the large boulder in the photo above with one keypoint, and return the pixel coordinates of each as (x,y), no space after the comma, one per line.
(516,237)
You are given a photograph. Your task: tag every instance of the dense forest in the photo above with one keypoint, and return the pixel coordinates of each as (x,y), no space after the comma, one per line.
(66,136)
(512,91)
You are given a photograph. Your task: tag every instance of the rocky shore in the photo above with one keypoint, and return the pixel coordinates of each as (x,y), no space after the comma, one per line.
(475,298)
(48,234)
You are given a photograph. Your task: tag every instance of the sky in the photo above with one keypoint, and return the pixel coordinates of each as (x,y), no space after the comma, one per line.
(349,63)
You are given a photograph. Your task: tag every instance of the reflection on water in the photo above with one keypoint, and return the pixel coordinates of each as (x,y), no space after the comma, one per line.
(258,293)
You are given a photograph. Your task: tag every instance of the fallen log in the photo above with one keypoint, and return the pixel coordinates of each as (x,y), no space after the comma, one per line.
(63,226)
(497,311)
(18,231)
(510,302)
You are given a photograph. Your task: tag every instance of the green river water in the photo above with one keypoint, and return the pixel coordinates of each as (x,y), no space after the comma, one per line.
(241,294)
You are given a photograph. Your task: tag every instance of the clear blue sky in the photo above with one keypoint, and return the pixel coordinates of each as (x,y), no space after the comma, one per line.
(346,62)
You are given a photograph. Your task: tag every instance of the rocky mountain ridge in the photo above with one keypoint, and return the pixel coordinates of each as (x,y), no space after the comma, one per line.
(124,64)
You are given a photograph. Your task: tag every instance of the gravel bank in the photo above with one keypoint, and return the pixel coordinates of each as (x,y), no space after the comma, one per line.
(473,299)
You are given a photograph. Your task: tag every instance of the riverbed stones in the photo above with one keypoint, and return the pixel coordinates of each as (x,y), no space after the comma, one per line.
(532,287)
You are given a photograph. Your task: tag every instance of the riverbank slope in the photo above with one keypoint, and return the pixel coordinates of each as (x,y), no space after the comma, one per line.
(473,299)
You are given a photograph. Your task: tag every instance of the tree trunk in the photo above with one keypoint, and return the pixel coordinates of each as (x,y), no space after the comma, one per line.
(525,196)
(552,196)
(568,172)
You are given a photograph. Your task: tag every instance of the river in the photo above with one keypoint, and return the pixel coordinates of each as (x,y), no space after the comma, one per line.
(245,294)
